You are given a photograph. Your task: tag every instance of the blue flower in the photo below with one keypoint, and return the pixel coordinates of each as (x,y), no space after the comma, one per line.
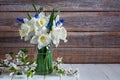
(20,19)
(59,22)
(36,15)
(48,25)
(62,20)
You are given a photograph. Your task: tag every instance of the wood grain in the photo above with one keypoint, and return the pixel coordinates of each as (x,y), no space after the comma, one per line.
(31,52)
(93,29)
(74,21)
(89,55)
(65,5)
(76,55)
(75,40)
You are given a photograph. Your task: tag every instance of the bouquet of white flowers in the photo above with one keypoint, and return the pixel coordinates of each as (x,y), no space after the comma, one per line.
(42,29)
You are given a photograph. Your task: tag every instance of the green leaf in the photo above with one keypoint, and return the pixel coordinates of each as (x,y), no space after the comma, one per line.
(58,13)
(30,17)
(56,67)
(35,8)
(61,72)
(28,73)
(11,53)
(19,73)
(25,50)
(51,20)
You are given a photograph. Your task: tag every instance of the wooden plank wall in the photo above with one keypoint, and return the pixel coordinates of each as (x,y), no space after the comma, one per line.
(93,29)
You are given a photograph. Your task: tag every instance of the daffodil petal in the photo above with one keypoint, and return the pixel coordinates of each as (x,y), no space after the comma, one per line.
(34,40)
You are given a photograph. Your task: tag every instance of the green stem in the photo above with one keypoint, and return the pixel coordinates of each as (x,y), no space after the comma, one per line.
(29,16)
(35,8)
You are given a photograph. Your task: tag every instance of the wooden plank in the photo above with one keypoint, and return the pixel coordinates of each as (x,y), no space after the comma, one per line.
(65,5)
(74,21)
(89,55)
(75,40)
(15,50)
(76,55)
(31,52)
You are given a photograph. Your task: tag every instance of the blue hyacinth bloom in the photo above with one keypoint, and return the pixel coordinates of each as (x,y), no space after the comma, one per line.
(59,22)
(20,19)
(48,25)
(36,15)
(62,20)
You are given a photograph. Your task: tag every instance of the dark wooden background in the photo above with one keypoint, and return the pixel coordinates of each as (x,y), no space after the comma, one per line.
(93,29)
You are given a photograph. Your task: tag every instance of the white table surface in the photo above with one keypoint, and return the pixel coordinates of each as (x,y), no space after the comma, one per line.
(87,72)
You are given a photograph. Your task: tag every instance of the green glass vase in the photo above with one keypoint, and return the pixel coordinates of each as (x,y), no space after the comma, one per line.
(44,61)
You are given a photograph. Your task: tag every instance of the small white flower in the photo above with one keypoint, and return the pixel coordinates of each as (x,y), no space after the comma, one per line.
(33,66)
(26,68)
(6,62)
(59,59)
(76,74)
(11,74)
(21,54)
(18,62)
(8,56)
(14,66)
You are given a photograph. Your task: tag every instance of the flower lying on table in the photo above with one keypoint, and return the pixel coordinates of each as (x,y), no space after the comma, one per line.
(20,64)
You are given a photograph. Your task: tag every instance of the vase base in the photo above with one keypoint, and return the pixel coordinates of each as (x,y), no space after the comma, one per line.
(43,73)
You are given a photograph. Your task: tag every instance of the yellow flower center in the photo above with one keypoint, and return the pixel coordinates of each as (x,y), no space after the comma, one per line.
(42,38)
(41,22)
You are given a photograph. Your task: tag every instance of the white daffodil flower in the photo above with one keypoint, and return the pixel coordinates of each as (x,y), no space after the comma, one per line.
(63,34)
(58,33)
(43,30)
(43,40)
(32,24)
(24,31)
(27,28)
(34,40)
(42,20)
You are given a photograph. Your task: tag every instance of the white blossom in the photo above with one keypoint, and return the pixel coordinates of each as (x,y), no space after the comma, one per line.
(6,62)
(11,74)
(8,56)
(43,40)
